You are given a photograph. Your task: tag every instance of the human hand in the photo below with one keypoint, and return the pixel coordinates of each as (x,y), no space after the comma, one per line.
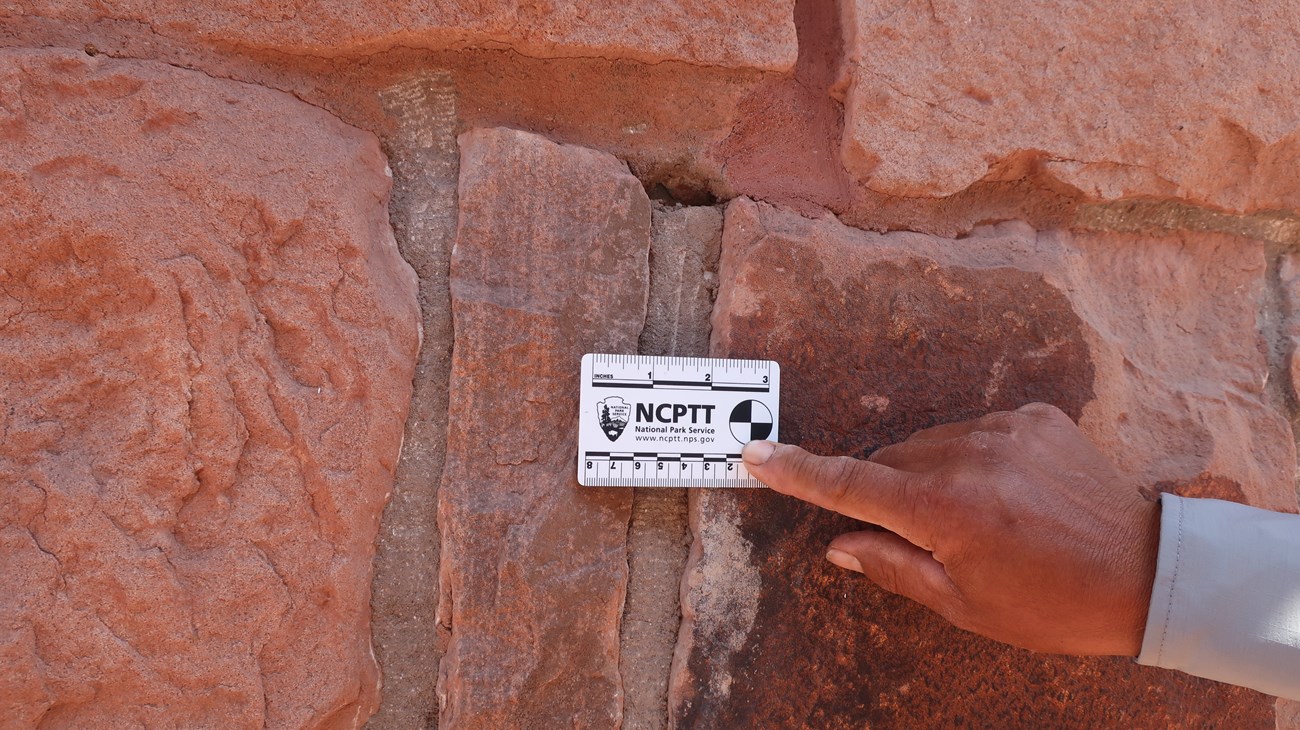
(1012,525)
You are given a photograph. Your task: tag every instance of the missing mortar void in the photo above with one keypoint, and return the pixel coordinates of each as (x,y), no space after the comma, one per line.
(675,191)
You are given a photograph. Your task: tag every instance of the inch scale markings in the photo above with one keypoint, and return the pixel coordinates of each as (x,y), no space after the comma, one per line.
(673,421)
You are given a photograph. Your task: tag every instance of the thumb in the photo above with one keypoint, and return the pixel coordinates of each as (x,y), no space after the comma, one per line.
(896,565)
(859,489)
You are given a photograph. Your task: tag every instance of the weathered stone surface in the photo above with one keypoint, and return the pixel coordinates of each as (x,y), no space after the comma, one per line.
(207,338)
(550,263)
(707,32)
(1181,365)
(1153,347)
(1147,98)
(423,156)
(1288,715)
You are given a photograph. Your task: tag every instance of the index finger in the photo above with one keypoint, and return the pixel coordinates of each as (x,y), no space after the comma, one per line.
(859,489)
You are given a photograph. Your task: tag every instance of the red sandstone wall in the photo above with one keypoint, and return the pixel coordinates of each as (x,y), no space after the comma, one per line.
(292,296)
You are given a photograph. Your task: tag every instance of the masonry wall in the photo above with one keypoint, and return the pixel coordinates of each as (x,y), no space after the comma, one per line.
(292,297)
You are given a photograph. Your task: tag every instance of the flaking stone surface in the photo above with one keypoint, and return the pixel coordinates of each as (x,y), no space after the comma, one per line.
(708,32)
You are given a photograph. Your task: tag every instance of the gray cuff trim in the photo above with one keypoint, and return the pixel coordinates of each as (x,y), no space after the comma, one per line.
(1168,564)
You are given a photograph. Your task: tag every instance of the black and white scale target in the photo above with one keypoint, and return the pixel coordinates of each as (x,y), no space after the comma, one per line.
(750,420)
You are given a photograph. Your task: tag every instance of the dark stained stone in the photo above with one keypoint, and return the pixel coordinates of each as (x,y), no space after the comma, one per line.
(878,336)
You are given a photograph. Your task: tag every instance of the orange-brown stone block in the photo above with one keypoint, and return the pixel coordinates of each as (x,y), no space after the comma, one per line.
(724,33)
(1148,98)
(207,340)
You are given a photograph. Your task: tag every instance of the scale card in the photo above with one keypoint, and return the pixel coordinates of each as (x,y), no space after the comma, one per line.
(673,421)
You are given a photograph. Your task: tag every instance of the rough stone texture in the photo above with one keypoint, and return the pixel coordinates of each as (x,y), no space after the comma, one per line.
(1147,98)
(1288,715)
(707,32)
(685,244)
(550,262)
(661,118)
(1153,347)
(423,155)
(207,339)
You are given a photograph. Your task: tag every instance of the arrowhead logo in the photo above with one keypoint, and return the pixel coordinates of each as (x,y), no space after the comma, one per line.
(613,413)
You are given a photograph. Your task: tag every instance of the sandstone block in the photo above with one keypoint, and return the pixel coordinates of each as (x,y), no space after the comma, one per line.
(550,262)
(207,339)
(1153,347)
(708,32)
(1146,98)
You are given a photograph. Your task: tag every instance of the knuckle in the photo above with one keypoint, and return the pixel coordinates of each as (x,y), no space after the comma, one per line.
(803,466)
(998,421)
(885,454)
(933,496)
(1042,411)
(985,447)
(838,475)
(890,577)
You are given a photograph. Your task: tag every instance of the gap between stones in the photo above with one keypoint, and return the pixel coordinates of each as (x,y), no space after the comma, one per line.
(1281,228)
(407,638)
(1276,310)
(685,245)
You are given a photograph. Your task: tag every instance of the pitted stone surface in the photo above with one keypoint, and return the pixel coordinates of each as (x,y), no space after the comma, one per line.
(207,338)
(881,335)
(1150,98)
(550,263)
(707,32)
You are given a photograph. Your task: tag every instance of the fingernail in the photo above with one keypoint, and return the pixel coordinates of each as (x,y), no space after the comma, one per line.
(757,452)
(844,560)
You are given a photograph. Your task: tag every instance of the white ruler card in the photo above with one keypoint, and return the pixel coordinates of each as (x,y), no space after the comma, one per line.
(673,421)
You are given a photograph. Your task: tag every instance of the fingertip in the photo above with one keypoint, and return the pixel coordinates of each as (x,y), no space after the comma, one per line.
(895,564)
(844,560)
(756,453)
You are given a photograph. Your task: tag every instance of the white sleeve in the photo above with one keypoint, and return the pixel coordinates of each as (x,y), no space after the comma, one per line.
(1226,600)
